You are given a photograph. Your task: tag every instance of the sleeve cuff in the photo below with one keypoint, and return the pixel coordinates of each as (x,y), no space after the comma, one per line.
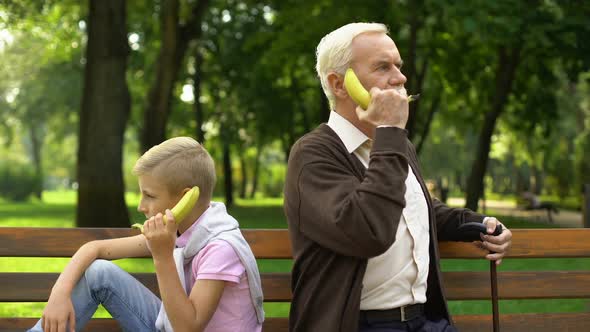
(391,139)
(214,276)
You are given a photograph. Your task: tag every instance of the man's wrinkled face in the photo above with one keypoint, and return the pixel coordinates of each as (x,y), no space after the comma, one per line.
(377,62)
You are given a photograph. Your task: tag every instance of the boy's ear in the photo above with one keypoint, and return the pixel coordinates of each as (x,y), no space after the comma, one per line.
(184,191)
(336,84)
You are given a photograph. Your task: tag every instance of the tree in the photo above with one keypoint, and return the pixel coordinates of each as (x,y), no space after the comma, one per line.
(499,44)
(103,118)
(41,74)
(175,41)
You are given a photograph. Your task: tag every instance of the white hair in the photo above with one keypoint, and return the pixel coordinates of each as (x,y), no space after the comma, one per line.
(334,53)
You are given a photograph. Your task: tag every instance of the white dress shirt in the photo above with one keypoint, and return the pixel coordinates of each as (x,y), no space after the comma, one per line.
(397,277)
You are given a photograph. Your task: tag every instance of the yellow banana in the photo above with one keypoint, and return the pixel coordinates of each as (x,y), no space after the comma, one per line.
(355,89)
(358,93)
(181,209)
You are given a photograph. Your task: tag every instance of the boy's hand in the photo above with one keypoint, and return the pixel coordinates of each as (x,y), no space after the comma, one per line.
(161,238)
(59,314)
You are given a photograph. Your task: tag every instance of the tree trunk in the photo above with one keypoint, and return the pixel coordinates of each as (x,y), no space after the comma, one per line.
(36,143)
(508,60)
(288,138)
(426,129)
(244,176)
(175,40)
(538,176)
(256,170)
(197,106)
(103,118)
(227,175)
(414,76)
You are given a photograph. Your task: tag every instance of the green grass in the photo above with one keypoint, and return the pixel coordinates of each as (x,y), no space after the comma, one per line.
(57,209)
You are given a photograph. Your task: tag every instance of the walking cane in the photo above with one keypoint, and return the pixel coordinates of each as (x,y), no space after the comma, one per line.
(494,281)
(470,232)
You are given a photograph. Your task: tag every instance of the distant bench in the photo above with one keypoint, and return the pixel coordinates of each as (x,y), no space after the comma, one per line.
(267,243)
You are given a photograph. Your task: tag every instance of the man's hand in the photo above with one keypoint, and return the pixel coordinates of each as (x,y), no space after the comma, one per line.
(388,107)
(59,314)
(161,238)
(498,245)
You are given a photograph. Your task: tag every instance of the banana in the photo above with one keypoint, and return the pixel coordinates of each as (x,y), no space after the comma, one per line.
(358,93)
(355,89)
(181,209)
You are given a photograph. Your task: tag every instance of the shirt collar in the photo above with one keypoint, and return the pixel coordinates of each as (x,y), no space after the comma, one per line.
(182,240)
(350,135)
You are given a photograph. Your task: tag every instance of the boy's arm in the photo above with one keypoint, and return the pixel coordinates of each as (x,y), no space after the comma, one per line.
(59,308)
(185,313)
(191,313)
(133,246)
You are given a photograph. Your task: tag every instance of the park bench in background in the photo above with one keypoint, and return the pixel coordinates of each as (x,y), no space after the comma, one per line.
(527,243)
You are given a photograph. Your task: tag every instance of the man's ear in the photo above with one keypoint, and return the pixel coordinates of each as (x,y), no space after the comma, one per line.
(336,83)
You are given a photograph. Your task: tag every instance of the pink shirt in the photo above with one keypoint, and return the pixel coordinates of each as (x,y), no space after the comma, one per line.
(218,261)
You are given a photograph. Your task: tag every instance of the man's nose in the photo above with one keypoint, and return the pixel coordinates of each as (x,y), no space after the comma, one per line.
(398,78)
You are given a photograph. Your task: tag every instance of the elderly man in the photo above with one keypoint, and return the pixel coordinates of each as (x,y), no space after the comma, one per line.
(362,224)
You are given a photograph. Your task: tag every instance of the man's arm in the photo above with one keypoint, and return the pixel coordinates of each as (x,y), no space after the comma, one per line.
(449,219)
(59,308)
(328,203)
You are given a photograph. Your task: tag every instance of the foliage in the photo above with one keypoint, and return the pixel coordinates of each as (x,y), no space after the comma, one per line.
(259,91)
(17,180)
(582,142)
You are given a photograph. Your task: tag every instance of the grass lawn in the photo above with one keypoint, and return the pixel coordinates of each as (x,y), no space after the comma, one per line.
(58,210)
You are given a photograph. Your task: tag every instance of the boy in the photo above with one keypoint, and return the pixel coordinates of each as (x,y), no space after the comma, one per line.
(210,282)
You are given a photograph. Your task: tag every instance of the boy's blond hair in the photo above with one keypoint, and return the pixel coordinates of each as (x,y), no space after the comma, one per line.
(180,162)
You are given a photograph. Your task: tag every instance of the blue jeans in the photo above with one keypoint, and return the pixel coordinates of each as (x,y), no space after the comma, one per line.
(133,305)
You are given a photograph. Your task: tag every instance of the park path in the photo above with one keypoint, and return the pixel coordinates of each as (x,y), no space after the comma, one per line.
(564,218)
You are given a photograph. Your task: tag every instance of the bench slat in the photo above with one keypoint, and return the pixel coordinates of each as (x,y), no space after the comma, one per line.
(271,324)
(531,243)
(275,243)
(63,242)
(527,243)
(508,323)
(35,287)
(518,285)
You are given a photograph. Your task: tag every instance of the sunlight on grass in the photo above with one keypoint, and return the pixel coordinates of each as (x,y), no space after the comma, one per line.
(35,309)
(519,306)
(266,202)
(69,197)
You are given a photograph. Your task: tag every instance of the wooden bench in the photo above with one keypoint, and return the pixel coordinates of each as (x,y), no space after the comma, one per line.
(528,243)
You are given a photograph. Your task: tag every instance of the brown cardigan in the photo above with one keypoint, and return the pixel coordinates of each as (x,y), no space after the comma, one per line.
(341,214)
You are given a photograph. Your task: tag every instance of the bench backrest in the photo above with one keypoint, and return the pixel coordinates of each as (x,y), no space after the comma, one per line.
(275,244)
